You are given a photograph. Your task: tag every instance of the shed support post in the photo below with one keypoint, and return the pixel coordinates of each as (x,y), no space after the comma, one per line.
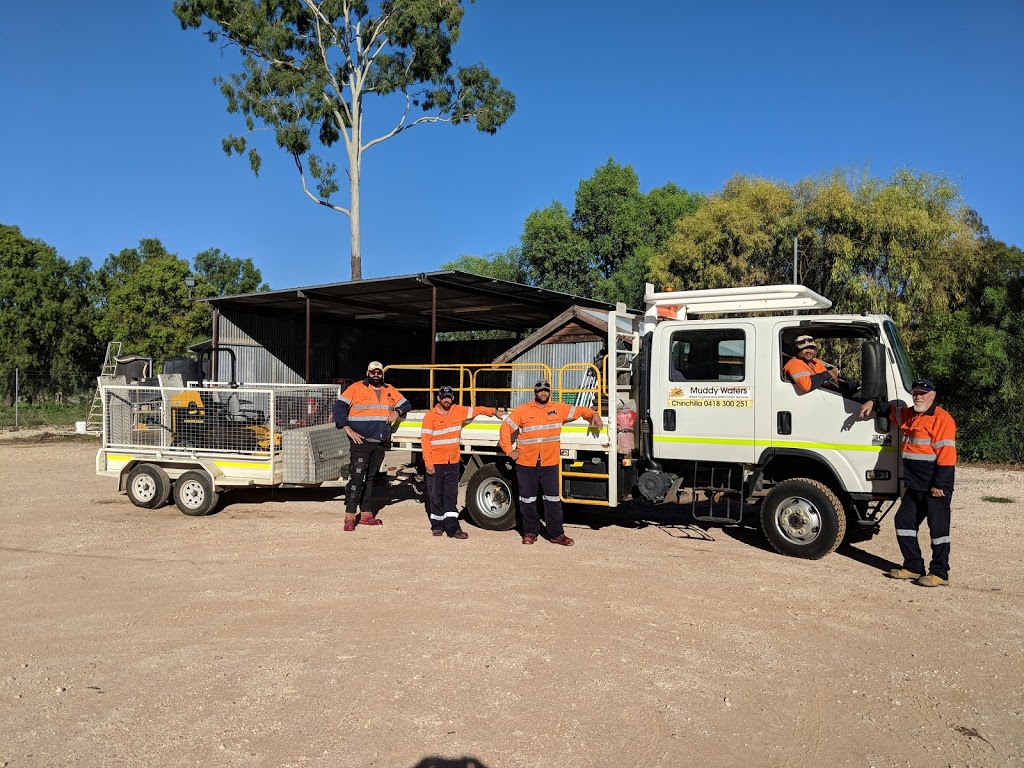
(216,342)
(433,324)
(308,334)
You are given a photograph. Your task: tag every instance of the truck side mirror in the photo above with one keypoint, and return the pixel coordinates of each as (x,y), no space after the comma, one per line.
(872,366)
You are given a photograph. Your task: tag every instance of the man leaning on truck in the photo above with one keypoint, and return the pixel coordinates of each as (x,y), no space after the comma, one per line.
(928,444)
(537,430)
(366,411)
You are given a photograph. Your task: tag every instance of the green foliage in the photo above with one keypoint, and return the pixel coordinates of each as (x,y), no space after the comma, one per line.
(147,305)
(738,237)
(907,247)
(503,266)
(45,318)
(976,356)
(227,276)
(603,248)
(47,413)
(307,67)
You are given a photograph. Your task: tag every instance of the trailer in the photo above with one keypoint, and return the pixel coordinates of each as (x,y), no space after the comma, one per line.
(194,442)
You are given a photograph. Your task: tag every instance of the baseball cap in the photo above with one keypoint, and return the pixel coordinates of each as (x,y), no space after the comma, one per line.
(445,391)
(923,385)
(376,365)
(803,342)
(542,385)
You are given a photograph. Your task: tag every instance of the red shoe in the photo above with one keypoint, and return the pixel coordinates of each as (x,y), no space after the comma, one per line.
(366,519)
(564,540)
(350,523)
(529,538)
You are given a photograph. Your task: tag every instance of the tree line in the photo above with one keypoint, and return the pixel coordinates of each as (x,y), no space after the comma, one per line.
(57,316)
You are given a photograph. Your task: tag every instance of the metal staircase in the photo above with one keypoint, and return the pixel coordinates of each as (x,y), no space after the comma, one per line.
(94,423)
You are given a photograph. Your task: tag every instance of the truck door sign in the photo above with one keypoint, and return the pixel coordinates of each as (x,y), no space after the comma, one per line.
(711,396)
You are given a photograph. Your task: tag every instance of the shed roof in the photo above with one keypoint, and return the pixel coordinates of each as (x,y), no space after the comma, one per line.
(464,302)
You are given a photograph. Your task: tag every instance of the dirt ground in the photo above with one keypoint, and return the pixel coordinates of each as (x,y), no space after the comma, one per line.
(265,636)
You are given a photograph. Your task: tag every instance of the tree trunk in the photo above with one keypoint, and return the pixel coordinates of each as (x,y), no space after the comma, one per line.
(355,174)
(353,219)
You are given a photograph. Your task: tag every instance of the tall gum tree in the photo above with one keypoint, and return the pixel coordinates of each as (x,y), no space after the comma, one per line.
(308,66)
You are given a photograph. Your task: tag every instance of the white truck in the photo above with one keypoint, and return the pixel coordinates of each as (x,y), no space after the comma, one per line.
(698,411)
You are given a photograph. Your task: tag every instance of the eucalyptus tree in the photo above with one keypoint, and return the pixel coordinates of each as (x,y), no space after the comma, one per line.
(308,66)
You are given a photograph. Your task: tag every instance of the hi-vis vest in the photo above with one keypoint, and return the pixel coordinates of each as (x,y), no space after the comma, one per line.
(539,430)
(928,442)
(805,375)
(361,408)
(442,432)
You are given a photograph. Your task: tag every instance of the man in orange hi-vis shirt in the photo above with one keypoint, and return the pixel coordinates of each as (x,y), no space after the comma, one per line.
(928,444)
(805,370)
(440,437)
(536,428)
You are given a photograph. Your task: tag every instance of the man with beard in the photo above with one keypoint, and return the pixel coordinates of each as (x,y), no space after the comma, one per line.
(928,444)
(806,371)
(537,430)
(366,411)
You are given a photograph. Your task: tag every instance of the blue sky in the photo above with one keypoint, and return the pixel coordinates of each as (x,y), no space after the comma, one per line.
(111,126)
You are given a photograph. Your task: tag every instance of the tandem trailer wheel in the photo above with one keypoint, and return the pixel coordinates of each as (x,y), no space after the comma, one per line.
(195,494)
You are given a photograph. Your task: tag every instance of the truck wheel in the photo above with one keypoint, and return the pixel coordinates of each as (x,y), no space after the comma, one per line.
(803,518)
(491,500)
(148,486)
(194,494)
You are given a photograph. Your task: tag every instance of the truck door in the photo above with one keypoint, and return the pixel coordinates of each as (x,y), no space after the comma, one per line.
(702,403)
(822,424)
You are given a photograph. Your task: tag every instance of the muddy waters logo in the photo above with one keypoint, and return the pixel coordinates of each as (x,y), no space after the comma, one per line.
(711,396)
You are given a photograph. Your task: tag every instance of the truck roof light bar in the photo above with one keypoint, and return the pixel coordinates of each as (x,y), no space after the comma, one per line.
(761,298)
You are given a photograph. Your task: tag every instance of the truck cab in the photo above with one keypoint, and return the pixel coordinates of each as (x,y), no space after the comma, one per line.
(726,422)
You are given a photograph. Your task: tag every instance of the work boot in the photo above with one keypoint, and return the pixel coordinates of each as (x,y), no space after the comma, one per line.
(459,534)
(931,580)
(563,540)
(368,519)
(350,522)
(903,573)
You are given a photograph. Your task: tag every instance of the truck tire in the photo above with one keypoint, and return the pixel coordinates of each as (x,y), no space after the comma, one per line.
(490,499)
(803,518)
(194,494)
(148,486)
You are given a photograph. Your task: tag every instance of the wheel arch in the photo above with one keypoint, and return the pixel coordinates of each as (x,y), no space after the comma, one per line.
(778,464)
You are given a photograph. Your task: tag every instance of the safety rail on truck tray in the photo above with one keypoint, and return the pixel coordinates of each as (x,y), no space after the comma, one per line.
(469,382)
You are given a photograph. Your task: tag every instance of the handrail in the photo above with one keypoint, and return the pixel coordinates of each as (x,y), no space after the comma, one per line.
(476,373)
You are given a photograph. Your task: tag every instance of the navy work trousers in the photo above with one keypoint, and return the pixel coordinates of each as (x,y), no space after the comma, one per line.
(366,458)
(916,507)
(443,492)
(546,478)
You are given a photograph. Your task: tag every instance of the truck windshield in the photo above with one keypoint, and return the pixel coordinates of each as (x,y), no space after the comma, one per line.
(902,359)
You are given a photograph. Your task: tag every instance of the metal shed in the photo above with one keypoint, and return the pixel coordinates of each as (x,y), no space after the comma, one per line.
(324,333)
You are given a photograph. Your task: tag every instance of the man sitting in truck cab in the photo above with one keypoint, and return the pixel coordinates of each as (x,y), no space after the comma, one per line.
(806,371)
